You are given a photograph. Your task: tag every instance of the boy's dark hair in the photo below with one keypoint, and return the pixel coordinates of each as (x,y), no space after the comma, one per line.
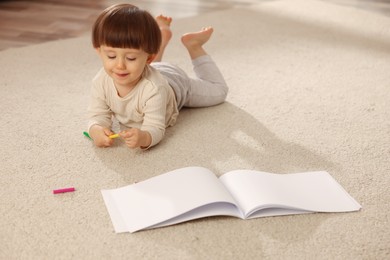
(127,26)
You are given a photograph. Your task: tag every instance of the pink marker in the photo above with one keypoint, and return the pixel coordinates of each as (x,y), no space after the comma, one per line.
(64,190)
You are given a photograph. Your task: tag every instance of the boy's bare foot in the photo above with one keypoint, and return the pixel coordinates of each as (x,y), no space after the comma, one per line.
(164,22)
(194,41)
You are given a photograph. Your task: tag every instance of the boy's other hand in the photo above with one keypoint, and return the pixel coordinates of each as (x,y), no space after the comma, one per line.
(135,137)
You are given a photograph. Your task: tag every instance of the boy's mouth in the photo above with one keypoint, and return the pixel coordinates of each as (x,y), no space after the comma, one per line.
(121,75)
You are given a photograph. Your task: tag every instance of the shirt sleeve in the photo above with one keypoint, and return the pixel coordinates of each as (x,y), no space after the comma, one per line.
(154,111)
(99,113)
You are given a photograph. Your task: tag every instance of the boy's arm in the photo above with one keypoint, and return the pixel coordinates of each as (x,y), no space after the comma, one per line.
(153,126)
(154,117)
(151,132)
(100,117)
(99,112)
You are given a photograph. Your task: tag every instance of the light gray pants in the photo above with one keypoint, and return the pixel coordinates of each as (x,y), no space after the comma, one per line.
(207,89)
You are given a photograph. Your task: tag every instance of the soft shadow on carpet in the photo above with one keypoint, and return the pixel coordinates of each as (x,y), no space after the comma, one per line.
(309,90)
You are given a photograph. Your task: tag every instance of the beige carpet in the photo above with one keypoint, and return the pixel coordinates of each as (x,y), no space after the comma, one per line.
(309,90)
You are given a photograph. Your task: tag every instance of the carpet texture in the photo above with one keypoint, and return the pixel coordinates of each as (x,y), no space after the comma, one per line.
(309,90)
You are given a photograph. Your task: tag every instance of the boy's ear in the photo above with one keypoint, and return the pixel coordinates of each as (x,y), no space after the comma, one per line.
(97,50)
(151,58)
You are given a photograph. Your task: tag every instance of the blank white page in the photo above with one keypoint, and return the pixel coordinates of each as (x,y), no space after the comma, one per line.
(164,197)
(308,191)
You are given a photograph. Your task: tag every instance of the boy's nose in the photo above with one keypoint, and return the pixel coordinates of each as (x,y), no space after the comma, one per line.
(120,64)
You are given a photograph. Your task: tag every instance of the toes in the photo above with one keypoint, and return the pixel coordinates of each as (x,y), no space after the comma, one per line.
(207,28)
(165,19)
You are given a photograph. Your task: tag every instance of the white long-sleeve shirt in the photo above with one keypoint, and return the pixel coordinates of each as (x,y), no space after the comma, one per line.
(150,106)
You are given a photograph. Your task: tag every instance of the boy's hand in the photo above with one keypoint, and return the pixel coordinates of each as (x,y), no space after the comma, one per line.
(100,135)
(135,137)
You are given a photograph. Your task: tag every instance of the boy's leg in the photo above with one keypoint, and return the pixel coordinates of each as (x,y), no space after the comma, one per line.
(209,88)
(164,23)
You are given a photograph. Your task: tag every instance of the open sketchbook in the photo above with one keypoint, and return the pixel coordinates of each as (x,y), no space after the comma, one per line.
(195,192)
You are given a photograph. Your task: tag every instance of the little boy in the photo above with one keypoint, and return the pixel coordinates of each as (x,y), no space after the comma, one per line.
(134,86)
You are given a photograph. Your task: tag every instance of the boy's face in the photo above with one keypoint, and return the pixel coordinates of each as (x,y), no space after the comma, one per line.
(124,66)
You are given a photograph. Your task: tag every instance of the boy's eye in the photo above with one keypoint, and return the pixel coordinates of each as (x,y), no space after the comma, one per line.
(130,59)
(111,57)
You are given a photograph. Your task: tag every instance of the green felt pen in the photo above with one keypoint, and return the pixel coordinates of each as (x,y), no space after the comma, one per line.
(87,135)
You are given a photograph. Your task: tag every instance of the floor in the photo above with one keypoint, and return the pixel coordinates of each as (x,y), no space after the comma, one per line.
(28,22)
